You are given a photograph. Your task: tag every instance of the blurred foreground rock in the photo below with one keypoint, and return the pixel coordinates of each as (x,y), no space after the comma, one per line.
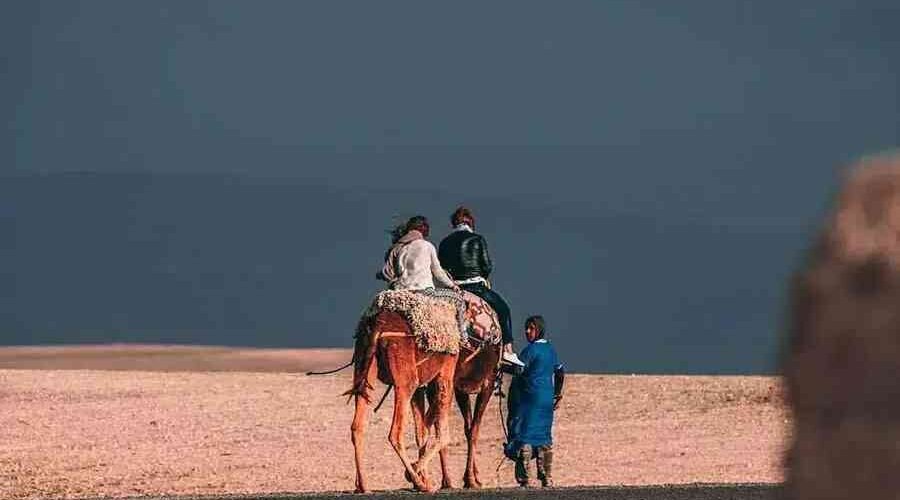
(842,363)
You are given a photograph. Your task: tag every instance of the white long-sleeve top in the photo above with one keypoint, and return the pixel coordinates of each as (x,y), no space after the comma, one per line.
(416,266)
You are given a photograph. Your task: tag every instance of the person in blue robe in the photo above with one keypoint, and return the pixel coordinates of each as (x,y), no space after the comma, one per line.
(534,393)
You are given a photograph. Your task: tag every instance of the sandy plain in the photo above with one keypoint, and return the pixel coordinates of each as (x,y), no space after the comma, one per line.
(78,422)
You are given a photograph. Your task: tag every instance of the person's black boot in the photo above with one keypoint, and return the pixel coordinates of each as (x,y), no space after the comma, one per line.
(545,465)
(522,476)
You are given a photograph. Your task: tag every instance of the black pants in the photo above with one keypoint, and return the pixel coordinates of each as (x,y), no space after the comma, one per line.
(498,304)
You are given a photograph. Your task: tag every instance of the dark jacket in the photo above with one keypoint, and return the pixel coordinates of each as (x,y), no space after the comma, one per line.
(465,255)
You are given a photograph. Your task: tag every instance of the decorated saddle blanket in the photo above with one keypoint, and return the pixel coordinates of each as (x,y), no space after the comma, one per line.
(481,322)
(435,316)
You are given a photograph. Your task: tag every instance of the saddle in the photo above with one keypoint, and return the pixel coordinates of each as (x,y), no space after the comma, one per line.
(441,320)
(482,323)
(435,319)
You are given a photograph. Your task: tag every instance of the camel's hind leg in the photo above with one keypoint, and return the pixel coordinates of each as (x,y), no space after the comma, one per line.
(465,407)
(400,360)
(420,420)
(358,427)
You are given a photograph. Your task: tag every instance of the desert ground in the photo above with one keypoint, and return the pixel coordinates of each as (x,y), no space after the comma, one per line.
(79,422)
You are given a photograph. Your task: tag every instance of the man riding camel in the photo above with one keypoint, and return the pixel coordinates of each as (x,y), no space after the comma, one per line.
(464,253)
(534,394)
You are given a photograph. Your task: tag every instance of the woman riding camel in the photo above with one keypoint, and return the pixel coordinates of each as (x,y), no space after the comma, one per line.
(412,261)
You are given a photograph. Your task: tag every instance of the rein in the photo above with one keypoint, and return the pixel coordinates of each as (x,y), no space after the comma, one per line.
(329,372)
(386,392)
(498,383)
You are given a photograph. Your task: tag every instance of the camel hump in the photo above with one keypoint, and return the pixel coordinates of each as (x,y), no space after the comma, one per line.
(434,319)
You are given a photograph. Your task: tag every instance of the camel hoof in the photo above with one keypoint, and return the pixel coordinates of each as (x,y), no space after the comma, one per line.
(415,468)
(473,484)
(423,485)
(447,485)
(420,482)
(426,484)
(427,487)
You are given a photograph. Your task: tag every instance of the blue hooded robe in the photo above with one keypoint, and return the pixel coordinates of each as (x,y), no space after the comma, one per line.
(530,420)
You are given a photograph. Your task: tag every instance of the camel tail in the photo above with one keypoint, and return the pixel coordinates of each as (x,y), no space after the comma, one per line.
(364,356)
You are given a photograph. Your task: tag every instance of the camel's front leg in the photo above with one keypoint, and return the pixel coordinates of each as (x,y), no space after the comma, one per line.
(402,396)
(464,402)
(481,404)
(441,404)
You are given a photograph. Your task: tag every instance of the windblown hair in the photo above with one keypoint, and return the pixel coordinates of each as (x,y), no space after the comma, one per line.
(462,215)
(539,323)
(418,222)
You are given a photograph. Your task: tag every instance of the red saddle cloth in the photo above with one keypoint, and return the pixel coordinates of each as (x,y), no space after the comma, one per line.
(482,323)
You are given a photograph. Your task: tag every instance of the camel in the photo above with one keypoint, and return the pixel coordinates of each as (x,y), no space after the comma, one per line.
(476,374)
(389,353)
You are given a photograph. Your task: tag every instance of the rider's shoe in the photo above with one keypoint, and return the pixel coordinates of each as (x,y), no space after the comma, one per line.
(512,358)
